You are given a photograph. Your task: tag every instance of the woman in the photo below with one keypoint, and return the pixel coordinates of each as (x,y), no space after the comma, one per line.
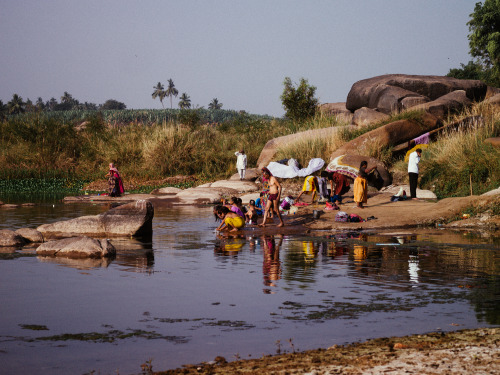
(361,185)
(229,220)
(112,168)
(113,185)
(342,186)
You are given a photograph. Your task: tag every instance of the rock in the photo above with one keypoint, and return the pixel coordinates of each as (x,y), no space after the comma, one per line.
(337,110)
(167,190)
(240,186)
(251,174)
(392,134)
(492,192)
(366,116)
(388,99)
(9,238)
(422,194)
(269,151)
(207,185)
(10,206)
(247,197)
(449,103)
(491,91)
(28,205)
(372,92)
(30,235)
(204,195)
(495,142)
(132,219)
(493,100)
(77,247)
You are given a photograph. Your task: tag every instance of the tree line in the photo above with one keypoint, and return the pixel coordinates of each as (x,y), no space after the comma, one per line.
(184,100)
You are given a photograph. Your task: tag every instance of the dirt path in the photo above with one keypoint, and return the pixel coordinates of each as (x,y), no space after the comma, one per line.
(464,352)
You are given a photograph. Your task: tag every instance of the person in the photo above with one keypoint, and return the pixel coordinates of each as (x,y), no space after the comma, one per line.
(361,185)
(241,163)
(117,175)
(251,214)
(233,206)
(323,186)
(413,161)
(113,185)
(274,197)
(259,205)
(342,186)
(229,220)
(310,186)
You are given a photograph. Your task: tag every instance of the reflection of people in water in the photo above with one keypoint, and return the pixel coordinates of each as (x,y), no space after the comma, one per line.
(360,253)
(231,245)
(309,250)
(271,268)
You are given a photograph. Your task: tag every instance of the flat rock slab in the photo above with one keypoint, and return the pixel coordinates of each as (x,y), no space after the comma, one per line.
(77,247)
(9,238)
(30,235)
(240,186)
(422,194)
(133,219)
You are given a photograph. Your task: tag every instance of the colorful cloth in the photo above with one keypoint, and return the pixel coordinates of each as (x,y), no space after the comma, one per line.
(360,190)
(237,211)
(342,184)
(309,184)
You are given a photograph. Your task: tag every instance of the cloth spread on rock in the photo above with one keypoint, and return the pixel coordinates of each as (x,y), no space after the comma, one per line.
(291,171)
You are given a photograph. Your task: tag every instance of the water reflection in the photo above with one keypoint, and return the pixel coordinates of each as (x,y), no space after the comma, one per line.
(271,268)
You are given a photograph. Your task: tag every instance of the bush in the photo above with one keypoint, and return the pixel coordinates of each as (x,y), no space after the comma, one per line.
(299,103)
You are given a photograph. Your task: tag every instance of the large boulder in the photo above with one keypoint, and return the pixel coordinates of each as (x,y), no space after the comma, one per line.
(449,103)
(271,148)
(77,247)
(337,110)
(493,100)
(203,195)
(240,186)
(392,134)
(9,238)
(374,92)
(132,219)
(367,116)
(30,235)
(251,174)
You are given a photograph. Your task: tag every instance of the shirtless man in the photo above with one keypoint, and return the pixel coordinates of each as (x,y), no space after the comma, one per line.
(274,198)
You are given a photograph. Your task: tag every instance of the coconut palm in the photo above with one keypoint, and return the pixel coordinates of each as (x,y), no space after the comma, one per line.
(171,91)
(16,105)
(159,93)
(214,104)
(185,101)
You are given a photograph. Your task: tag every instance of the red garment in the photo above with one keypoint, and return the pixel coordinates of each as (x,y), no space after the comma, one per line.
(341,183)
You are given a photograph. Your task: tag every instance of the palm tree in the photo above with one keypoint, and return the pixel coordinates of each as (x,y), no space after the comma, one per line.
(185,101)
(215,104)
(171,91)
(16,105)
(159,93)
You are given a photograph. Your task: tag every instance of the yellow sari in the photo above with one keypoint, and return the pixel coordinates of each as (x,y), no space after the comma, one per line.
(360,190)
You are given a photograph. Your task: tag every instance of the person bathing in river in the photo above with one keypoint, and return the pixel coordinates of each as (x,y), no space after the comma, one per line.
(273,199)
(361,184)
(229,220)
(234,206)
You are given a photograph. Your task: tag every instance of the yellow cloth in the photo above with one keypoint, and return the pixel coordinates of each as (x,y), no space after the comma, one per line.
(360,190)
(422,147)
(235,222)
(309,184)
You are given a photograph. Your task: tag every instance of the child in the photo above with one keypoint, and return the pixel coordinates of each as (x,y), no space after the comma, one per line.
(259,204)
(229,220)
(251,213)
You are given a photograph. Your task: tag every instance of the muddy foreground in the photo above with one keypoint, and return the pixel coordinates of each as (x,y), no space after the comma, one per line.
(461,352)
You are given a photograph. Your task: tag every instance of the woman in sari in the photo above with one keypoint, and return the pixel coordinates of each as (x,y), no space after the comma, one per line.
(114,171)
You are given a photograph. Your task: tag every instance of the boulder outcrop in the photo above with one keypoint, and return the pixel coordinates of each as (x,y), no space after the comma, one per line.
(132,219)
(77,247)
(391,134)
(367,116)
(337,110)
(9,238)
(449,103)
(387,92)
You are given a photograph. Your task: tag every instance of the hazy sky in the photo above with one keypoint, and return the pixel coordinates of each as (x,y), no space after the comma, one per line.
(236,51)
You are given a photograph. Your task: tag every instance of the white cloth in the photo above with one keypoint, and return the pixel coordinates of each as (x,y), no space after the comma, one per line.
(413,161)
(286,171)
(241,160)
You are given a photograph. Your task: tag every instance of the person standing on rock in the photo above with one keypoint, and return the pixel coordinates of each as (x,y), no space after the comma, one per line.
(113,184)
(361,184)
(241,163)
(413,161)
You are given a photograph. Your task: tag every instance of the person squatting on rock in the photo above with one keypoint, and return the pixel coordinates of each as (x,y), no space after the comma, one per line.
(241,163)
(229,220)
(274,197)
(413,161)
(361,184)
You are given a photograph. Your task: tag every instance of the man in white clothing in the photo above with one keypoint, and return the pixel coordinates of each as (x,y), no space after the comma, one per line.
(241,163)
(413,161)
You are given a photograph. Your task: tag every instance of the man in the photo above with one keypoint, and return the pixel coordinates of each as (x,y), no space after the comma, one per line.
(241,163)
(413,161)
(273,198)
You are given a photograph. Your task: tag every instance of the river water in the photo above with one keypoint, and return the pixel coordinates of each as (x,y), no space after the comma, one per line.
(188,296)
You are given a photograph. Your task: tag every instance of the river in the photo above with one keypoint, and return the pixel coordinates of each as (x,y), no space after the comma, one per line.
(189,296)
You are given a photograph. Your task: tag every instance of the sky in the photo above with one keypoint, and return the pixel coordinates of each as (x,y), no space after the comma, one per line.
(236,51)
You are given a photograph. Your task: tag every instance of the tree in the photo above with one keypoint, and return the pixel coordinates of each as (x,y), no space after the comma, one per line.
(159,93)
(3,110)
(484,37)
(171,91)
(299,103)
(214,104)
(113,104)
(185,101)
(16,105)
(67,102)
(40,105)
